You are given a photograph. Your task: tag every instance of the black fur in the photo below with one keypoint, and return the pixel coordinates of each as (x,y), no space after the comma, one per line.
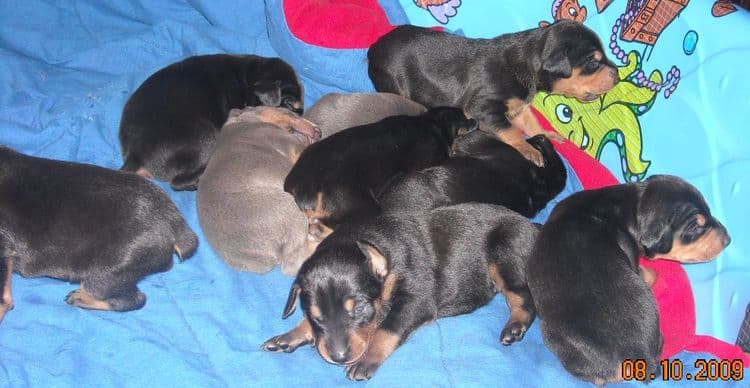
(351,167)
(584,274)
(485,170)
(436,68)
(438,262)
(169,124)
(85,224)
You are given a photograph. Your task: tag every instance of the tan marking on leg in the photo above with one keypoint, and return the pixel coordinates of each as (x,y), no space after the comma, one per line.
(514,301)
(513,136)
(382,345)
(302,334)
(288,120)
(648,275)
(7,303)
(144,173)
(84,299)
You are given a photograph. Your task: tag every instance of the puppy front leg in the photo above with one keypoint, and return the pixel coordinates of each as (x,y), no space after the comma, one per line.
(382,345)
(521,116)
(291,340)
(6,274)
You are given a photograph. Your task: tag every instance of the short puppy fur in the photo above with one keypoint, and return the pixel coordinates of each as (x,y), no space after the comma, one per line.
(369,285)
(483,169)
(493,80)
(595,306)
(340,176)
(169,124)
(337,111)
(246,215)
(101,228)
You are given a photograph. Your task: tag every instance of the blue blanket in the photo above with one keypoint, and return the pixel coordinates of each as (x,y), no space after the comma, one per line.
(68,68)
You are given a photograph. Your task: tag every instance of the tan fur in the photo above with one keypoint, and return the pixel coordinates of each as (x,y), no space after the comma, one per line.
(701,250)
(84,299)
(579,86)
(6,304)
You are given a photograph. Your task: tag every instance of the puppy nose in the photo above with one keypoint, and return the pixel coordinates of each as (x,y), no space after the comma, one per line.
(726,240)
(340,356)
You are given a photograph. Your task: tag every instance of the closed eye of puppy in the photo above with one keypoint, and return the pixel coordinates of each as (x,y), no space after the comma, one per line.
(101,228)
(493,80)
(246,215)
(595,306)
(482,169)
(370,284)
(338,178)
(169,124)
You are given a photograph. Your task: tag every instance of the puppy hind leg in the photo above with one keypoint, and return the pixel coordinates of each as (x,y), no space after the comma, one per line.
(522,311)
(6,294)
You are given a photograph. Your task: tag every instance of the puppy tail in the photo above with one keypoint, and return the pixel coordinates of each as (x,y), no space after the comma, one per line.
(186,241)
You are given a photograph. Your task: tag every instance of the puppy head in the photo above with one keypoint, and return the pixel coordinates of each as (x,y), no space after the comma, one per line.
(675,222)
(341,291)
(286,94)
(572,62)
(452,121)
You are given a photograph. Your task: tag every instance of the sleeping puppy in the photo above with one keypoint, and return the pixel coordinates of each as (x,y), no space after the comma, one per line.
(596,308)
(339,177)
(369,285)
(247,217)
(337,111)
(169,125)
(485,170)
(493,80)
(101,228)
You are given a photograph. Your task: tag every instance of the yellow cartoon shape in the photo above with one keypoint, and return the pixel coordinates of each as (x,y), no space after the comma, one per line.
(613,118)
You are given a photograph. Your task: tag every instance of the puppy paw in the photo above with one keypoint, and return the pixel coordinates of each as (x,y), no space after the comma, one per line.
(530,153)
(513,332)
(364,369)
(287,343)
(83,299)
(555,136)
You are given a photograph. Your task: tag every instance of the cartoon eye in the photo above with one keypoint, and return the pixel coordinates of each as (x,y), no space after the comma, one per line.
(564,113)
(573,12)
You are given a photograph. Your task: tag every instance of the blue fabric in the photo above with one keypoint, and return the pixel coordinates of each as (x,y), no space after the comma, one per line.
(67,69)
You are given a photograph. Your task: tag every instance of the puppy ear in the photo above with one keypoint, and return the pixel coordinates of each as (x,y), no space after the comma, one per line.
(269,94)
(654,221)
(378,262)
(291,301)
(555,63)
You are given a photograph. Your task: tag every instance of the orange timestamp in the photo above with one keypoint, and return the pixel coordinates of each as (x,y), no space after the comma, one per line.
(673,370)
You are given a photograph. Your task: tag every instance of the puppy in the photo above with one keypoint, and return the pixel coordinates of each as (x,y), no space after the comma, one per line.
(339,177)
(369,285)
(104,229)
(169,125)
(337,111)
(246,216)
(596,308)
(483,169)
(493,80)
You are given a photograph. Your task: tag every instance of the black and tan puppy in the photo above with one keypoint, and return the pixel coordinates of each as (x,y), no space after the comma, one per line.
(85,224)
(169,124)
(596,308)
(339,177)
(369,285)
(483,169)
(493,80)
(337,111)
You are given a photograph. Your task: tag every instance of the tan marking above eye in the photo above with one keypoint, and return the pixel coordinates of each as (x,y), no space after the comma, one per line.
(700,219)
(349,304)
(315,311)
(598,55)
